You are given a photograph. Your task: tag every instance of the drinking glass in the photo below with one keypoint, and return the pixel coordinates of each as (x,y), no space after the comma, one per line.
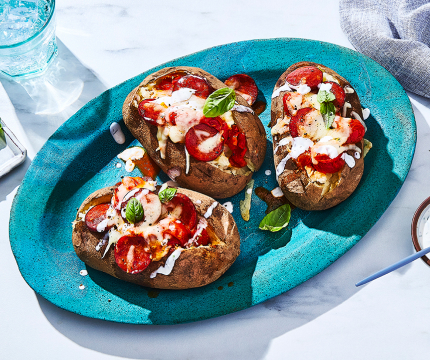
(27,37)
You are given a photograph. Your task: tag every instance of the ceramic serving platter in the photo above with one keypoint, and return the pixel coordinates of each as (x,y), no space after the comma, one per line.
(80,157)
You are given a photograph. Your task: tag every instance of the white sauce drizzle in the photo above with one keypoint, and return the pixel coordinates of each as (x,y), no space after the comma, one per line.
(356,116)
(348,90)
(83,272)
(345,107)
(102,225)
(324,87)
(187,161)
(81,287)
(267,172)
(348,159)
(300,145)
(329,150)
(177,96)
(198,201)
(210,209)
(284,87)
(118,165)
(242,109)
(283,142)
(168,266)
(203,224)
(229,206)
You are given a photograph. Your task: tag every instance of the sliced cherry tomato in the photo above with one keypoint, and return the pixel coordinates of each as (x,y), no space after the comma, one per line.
(203,238)
(356,133)
(217,123)
(199,134)
(203,89)
(95,216)
(304,159)
(309,75)
(172,117)
(167,82)
(338,92)
(181,208)
(236,141)
(131,254)
(328,165)
(151,112)
(285,99)
(179,231)
(244,85)
(297,120)
(147,166)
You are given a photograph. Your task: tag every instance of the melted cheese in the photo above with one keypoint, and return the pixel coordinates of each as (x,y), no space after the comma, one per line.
(208,145)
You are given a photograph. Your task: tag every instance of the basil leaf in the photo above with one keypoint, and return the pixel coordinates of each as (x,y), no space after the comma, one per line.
(277,219)
(167,194)
(323,108)
(3,142)
(325,96)
(219,102)
(134,211)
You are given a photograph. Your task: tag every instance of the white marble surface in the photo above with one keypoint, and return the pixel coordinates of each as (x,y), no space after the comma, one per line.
(104,43)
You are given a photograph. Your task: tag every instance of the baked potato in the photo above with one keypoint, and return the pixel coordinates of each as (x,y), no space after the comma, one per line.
(215,156)
(180,240)
(317,131)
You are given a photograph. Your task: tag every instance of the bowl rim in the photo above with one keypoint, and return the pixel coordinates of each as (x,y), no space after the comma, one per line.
(36,34)
(414,227)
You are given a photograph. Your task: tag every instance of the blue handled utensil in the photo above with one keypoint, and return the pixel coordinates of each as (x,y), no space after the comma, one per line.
(395,266)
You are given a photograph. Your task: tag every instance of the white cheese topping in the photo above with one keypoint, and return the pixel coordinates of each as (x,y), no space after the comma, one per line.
(366,113)
(210,209)
(302,89)
(357,155)
(168,266)
(177,96)
(283,142)
(348,159)
(229,206)
(348,90)
(277,192)
(206,146)
(281,166)
(345,107)
(329,150)
(300,145)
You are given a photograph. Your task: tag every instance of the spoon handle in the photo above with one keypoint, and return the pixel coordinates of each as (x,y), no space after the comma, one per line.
(395,266)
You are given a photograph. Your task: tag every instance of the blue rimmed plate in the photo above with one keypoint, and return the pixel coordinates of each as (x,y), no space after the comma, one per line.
(80,157)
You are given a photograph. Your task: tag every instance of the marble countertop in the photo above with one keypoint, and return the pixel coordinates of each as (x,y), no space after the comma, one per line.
(104,43)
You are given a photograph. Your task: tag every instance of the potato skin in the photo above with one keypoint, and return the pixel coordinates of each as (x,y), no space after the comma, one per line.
(194,268)
(202,177)
(295,183)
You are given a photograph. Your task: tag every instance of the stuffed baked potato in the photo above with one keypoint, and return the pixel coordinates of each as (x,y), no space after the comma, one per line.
(215,156)
(317,130)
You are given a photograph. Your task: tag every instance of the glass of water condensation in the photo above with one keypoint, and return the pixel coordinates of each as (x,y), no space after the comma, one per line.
(27,37)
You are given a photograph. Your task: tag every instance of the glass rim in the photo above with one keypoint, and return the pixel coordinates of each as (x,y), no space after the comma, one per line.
(35,34)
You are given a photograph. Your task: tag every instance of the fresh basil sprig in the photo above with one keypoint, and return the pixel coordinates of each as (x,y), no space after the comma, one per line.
(167,194)
(134,211)
(219,102)
(327,108)
(3,142)
(277,219)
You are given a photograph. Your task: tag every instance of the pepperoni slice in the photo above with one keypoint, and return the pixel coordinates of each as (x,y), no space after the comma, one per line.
(203,89)
(167,82)
(356,133)
(309,75)
(304,159)
(328,165)
(338,92)
(95,216)
(151,111)
(297,120)
(181,208)
(204,142)
(244,85)
(285,100)
(131,254)
(217,123)
(179,232)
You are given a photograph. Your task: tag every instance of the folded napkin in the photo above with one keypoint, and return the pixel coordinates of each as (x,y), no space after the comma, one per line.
(396,34)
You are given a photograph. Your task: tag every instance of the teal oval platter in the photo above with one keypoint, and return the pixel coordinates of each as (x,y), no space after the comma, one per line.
(80,157)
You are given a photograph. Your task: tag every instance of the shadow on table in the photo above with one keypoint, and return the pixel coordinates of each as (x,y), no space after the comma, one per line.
(43,103)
